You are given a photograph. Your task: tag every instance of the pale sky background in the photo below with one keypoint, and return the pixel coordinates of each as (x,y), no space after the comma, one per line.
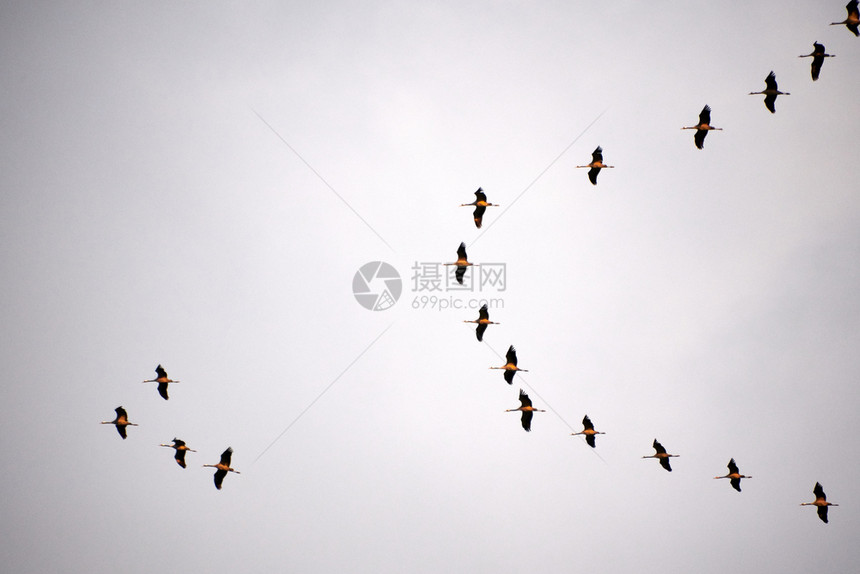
(708,299)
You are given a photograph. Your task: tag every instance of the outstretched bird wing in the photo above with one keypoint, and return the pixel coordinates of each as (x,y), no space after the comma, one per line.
(526,420)
(159,370)
(162,390)
(226,455)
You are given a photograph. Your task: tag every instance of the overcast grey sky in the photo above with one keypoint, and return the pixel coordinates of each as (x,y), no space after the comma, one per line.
(708,299)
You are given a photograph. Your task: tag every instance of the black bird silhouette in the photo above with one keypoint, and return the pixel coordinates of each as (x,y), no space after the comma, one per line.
(121,421)
(770,92)
(223,467)
(481,206)
(818,54)
(483,320)
(527,409)
(702,127)
(510,367)
(595,165)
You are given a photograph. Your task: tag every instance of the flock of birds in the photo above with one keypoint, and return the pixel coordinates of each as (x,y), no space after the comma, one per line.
(510,368)
(121,423)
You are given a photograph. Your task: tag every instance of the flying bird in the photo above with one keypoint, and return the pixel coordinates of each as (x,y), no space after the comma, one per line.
(527,409)
(510,367)
(595,165)
(181,449)
(820,497)
(223,467)
(851,22)
(462,263)
(818,54)
(121,421)
(483,320)
(734,475)
(588,431)
(481,206)
(702,127)
(162,381)
(662,455)
(770,92)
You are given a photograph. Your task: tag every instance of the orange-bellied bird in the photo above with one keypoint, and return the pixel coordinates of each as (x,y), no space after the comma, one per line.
(121,421)
(527,409)
(481,206)
(595,165)
(223,467)
(510,367)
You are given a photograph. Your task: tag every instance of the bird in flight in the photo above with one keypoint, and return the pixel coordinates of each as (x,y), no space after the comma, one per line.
(483,320)
(702,127)
(121,421)
(462,263)
(223,467)
(588,431)
(181,449)
(734,475)
(770,92)
(818,54)
(527,409)
(481,206)
(852,22)
(820,500)
(595,165)
(510,367)
(162,381)
(662,455)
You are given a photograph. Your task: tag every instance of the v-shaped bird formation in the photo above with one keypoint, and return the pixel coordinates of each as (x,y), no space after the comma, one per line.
(510,367)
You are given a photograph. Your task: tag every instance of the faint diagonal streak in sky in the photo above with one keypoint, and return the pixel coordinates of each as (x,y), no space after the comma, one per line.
(540,175)
(322,179)
(319,396)
(543,400)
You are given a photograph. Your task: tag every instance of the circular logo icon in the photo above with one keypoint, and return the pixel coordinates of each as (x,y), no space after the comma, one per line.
(377,286)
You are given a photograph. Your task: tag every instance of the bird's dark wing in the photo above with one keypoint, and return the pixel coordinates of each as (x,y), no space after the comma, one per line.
(664,462)
(459,273)
(159,370)
(121,430)
(589,438)
(818,48)
(853,28)
(180,458)
(480,195)
(511,355)
(733,468)
(597,155)
(483,312)
(736,483)
(770,81)
(120,413)
(226,455)
(478,215)
(509,377)
(699,138)
(705,116)
(525,401)
(586,422)
(527,420)
(461,251)
(177,442)
(819,492)
(822,513)
(480,331)
(219,478)
(162,390)
(817,62)
(658,447)
(592,175)
(769,101)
